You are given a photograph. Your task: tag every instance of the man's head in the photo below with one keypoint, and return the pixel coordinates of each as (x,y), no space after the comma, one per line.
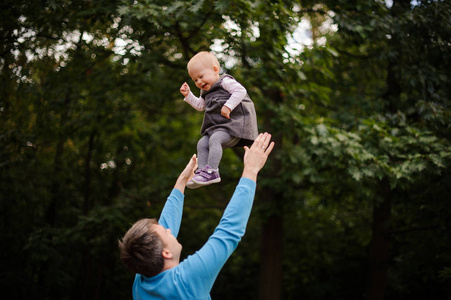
(204,69)
(148,248)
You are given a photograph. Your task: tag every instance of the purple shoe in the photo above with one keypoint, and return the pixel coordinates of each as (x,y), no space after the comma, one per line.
(191,184)
(206,176)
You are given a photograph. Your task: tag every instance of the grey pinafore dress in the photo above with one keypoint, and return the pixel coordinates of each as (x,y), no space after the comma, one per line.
(243,119)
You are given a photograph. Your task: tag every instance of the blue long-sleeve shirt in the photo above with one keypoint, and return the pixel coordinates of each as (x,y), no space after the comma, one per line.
(193,278)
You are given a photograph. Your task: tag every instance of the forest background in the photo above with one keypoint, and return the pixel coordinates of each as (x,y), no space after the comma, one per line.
(354,202)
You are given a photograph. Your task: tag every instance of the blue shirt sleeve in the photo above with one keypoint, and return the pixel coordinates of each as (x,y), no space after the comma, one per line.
(201,269)
(171,215)
(194,277)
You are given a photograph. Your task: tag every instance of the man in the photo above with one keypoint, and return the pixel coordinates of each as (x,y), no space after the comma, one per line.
(151,250)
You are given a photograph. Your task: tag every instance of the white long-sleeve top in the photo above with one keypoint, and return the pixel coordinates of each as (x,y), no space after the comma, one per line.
(236,90)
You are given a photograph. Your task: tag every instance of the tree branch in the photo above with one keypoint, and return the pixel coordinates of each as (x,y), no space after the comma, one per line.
(413,229)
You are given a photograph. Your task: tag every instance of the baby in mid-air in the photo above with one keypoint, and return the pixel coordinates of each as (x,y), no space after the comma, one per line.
(229,120)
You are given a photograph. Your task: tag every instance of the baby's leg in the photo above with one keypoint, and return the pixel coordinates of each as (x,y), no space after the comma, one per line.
(219,140)
(202,151)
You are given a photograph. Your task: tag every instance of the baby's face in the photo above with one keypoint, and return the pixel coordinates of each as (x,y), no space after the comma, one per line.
(204,75)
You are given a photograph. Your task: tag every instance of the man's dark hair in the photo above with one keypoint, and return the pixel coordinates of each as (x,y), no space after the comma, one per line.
(141,249)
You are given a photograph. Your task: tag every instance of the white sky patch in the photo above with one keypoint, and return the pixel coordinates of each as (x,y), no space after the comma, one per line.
(234,29)
(301,38)
(229,59)
(389,3)
(231,26)
(69,40)
(87,37)
(297,41)
(111,164)
(328,25)
(122,46)
(219,45)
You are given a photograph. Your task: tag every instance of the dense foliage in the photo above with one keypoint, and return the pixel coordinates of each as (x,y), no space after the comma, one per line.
(354,202)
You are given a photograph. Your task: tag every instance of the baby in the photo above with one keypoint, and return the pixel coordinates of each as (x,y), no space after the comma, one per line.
(229,120)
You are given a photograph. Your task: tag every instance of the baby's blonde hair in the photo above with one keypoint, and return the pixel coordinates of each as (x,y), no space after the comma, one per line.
(204,57)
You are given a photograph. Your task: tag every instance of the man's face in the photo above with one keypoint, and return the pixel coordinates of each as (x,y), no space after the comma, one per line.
(170,243)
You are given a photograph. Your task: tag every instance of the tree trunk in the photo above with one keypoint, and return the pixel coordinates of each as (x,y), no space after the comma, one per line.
(271,259)
(379,247)
(271,243)
(87,205)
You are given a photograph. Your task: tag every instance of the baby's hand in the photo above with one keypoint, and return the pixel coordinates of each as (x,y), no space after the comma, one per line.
(225,112)
(184,89)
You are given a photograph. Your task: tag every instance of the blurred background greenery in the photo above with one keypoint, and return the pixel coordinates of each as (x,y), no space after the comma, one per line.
(354,202)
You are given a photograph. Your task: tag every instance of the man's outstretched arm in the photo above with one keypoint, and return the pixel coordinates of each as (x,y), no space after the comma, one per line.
(256,156)
(171,215)
(203,267)
(186,174)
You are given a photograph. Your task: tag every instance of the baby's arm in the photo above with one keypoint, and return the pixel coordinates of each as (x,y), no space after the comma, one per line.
(184,89)
(237,91)
(195,102)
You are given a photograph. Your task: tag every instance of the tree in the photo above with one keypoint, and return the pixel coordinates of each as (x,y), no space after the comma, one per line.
(94,134)
(75,148)
(379,99)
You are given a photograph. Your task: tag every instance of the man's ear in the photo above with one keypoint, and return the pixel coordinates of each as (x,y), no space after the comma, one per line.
(166,253)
